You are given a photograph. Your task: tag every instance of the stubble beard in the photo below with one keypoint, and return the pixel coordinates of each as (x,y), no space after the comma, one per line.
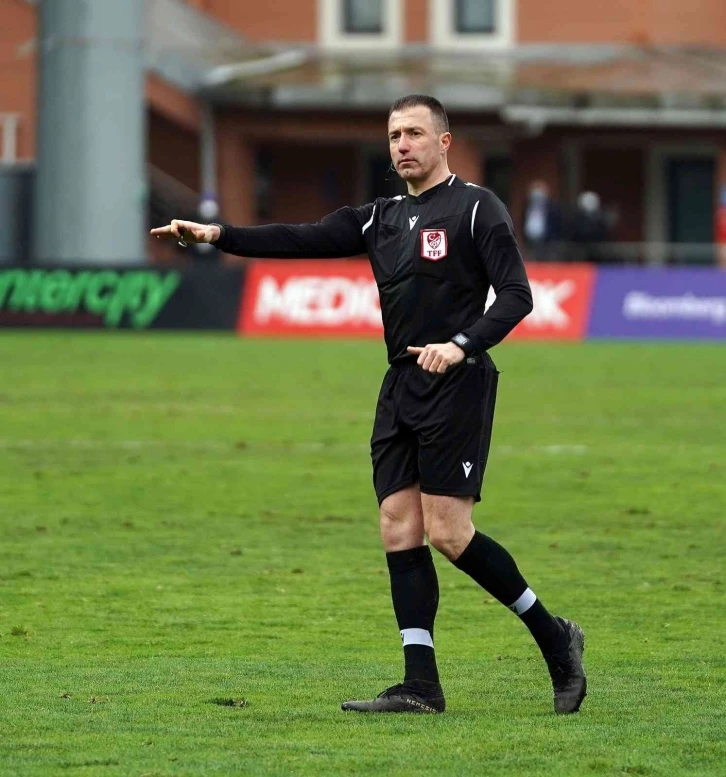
(413,173)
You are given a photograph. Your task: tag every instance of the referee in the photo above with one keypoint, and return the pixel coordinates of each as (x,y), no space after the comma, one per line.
(435,252)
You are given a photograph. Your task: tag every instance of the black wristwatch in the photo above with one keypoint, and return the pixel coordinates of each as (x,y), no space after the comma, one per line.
(221,231)
(464,342)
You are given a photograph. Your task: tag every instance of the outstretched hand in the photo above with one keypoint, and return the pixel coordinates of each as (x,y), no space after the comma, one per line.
(193,232)
(437,357)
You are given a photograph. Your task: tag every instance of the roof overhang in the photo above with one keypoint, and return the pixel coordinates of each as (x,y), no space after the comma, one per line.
(535,85)
(531,85)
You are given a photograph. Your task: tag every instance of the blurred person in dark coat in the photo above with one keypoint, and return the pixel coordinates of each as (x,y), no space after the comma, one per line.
(589,228)
(541,223)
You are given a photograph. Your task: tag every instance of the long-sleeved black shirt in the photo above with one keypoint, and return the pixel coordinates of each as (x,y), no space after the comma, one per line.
(434,258)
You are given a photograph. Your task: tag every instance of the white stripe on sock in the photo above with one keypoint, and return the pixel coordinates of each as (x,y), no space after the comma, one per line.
(525,601)
(416,637)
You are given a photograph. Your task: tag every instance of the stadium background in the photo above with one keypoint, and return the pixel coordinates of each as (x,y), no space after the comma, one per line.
(255,114)
(190,576)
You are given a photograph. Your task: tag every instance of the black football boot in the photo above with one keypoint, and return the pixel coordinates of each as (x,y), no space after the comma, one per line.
(566,670)
(418,696)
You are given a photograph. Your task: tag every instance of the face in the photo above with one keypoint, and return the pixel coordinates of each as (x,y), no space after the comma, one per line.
(539,190)
(417,148)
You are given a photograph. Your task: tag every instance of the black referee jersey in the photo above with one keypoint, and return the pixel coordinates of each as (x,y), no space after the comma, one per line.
(434,258)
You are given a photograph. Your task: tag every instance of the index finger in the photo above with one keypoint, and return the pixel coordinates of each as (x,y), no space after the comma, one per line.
(414,349)
(162,231)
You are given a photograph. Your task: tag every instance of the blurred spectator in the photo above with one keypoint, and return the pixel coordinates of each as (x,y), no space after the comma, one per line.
(542,223)
(589,228)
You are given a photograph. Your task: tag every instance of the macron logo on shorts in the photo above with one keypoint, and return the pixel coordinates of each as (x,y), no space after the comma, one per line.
(467,465)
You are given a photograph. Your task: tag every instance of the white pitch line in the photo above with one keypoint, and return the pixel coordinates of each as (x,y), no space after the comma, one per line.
(549,449)
(216,445)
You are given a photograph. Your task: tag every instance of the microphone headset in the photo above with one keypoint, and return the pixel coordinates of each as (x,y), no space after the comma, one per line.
(388,176)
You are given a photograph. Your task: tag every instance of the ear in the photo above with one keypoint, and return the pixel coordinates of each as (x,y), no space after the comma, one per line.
(444,142)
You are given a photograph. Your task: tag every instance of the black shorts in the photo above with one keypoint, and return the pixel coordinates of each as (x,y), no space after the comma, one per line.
(434,429)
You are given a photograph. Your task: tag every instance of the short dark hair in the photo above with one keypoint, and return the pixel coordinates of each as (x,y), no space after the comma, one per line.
(414,100)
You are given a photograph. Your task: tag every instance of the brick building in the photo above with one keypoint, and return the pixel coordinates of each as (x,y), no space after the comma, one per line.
(278,109)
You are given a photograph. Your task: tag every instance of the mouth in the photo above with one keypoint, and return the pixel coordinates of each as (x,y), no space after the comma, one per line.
(406,162)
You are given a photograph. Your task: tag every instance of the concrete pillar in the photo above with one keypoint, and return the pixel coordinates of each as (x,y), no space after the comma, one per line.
(235,173)
(466,158)
(90,197)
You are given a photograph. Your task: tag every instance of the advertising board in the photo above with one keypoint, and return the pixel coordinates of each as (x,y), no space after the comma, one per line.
(562,296)
(659,303)
(339,298)
(120,298)
(314,298)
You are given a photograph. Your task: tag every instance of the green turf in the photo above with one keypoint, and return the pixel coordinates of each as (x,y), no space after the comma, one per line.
(189,518)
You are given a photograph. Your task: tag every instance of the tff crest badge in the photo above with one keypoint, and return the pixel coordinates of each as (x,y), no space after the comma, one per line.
(434,244)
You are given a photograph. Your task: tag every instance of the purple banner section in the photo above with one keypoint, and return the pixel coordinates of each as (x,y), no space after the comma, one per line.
(668,303)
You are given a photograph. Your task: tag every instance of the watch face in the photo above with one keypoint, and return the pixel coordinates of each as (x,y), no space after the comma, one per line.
(461,339)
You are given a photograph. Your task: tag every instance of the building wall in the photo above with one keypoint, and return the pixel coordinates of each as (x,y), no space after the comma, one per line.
(273,20)
(308,182)
(174,150)
(17,70)
(622,21)
(675,22)
(416,27)
(597,21)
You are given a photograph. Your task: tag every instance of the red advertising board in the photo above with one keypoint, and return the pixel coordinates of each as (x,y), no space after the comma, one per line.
(339,298)
(562,295)
(320,297)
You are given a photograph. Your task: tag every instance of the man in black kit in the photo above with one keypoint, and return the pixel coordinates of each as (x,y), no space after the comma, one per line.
(434,252)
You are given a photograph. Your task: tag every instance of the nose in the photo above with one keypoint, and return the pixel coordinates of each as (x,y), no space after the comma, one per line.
(403,144)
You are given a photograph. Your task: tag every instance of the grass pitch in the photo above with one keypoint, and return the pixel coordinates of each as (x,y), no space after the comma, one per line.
(191,578)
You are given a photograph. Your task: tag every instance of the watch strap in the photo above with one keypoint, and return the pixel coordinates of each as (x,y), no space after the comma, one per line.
(464,342)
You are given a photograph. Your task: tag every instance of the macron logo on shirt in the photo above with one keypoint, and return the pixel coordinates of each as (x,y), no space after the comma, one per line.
(411,222)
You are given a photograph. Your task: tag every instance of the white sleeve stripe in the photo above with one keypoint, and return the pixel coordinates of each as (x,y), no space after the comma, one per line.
(473,216)
(451,180)
(370,221)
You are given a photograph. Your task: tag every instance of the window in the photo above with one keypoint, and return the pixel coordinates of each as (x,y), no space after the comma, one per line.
(475,25)
(679,202)
(360,24)
(475,17)
(498,173)
(691,194)
(363,16)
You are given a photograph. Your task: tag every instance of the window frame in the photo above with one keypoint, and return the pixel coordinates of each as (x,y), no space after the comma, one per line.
(332,34)
(443,32)
(346,19)
(457,8)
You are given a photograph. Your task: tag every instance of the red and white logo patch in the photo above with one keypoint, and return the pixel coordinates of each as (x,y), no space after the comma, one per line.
(434,244)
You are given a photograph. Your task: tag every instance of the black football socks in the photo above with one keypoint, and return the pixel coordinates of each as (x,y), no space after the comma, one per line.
(491,565)
(415,593)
